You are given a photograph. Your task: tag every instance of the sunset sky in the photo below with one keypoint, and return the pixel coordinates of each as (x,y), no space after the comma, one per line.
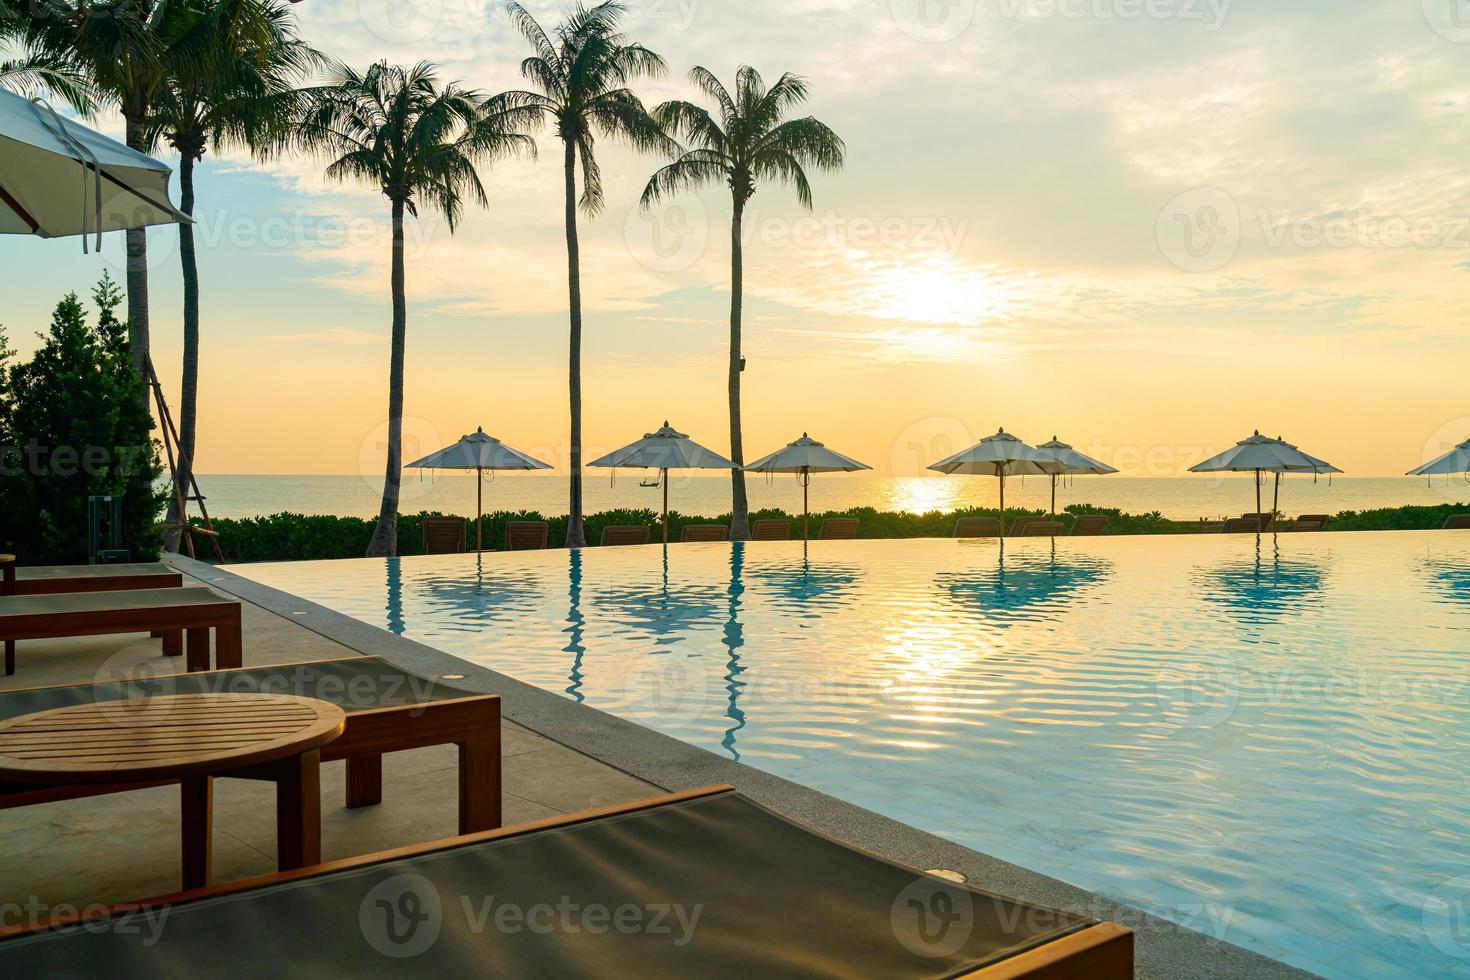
(1145,227)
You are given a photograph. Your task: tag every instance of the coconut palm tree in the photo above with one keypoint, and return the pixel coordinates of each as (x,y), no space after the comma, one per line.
(36,73)
(582,70)
(247,99)
(397,129)
(129,49)
(752,141)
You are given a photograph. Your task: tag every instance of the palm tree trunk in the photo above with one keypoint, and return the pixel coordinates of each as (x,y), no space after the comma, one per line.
(739,505)
(385,535)
(576,536)
(135,113)
(189,385)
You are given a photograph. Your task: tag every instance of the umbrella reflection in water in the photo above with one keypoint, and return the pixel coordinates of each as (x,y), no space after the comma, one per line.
(1449,578)
(1028,586)
(804,588)
(1263,588)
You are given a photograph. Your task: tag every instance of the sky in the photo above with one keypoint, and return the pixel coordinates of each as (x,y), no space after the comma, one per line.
(1147,227)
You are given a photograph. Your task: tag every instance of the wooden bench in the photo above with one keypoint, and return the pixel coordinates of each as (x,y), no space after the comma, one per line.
(388,710)
(193,612)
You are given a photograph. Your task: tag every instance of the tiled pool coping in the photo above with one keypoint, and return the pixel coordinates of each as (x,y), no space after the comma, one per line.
(1164,949)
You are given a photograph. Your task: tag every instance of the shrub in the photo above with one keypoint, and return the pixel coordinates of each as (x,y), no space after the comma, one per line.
(75,423)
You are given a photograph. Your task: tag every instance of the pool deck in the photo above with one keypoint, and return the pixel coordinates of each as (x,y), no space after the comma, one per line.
(559,756)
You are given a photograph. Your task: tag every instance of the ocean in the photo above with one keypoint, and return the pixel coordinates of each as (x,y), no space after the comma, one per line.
(1181,498)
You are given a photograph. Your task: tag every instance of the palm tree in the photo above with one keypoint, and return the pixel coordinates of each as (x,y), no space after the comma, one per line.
(128,50)
(582,70)
(752,141)
(248,98)
(397,129)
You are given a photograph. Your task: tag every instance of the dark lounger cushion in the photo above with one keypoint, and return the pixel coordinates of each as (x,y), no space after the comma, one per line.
(771,899)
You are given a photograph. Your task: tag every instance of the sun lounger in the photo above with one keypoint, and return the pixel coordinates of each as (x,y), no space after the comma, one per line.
(52,579)
(1263,521)
(838,529)
(1320,519)
(1241,525)
(194,611)
(976,527)
(704,532)
(1304,526)
(770,530)
(1017,527)
(1041,529)
(1089,525)
(620,534)
(703,883)
(388,710)
(55,579)
(442,535)
(526,535)
(1456,522)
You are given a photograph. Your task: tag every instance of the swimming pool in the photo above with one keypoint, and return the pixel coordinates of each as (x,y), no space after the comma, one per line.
(1268,741)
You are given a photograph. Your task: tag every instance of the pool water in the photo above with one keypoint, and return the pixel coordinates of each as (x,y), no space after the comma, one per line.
(1267,740)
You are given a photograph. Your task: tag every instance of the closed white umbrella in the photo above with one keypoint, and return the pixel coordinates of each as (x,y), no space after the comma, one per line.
(1260,454)
(666,450)
(804,457)
(58,177)
(478,452)
(1067,461)
(1457,460)
(1000,455)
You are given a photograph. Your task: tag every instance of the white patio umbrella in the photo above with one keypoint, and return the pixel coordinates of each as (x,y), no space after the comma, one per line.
(1000,455)
(478,452)
(58,177)
(804,457)
(1457,460)
(1067,461)
(1260,454)
(666,450)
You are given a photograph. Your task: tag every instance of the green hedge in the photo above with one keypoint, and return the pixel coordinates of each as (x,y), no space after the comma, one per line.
(295,537)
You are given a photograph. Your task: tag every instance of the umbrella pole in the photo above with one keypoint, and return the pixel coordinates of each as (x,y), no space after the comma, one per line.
(479,507)
(1275,498)
(806,481)
(1053,495)
(1258,502)
(664,479)
(1002,500)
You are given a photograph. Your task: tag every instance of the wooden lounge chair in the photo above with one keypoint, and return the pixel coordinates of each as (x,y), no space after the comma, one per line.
(1456,522)
(194,611)
(1089,525)
(1300,525)
(1263,521)
(704,532)
(770,530)
(838,529)
(792,902)
(976,527)
(620,534)
(442,535)
(1041,529)
(55,579)
(1241,525)
(388,710)
(1017,527)
(1320,519)
(526,535)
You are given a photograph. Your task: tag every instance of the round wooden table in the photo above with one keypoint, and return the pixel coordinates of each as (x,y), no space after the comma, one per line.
(192,739)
